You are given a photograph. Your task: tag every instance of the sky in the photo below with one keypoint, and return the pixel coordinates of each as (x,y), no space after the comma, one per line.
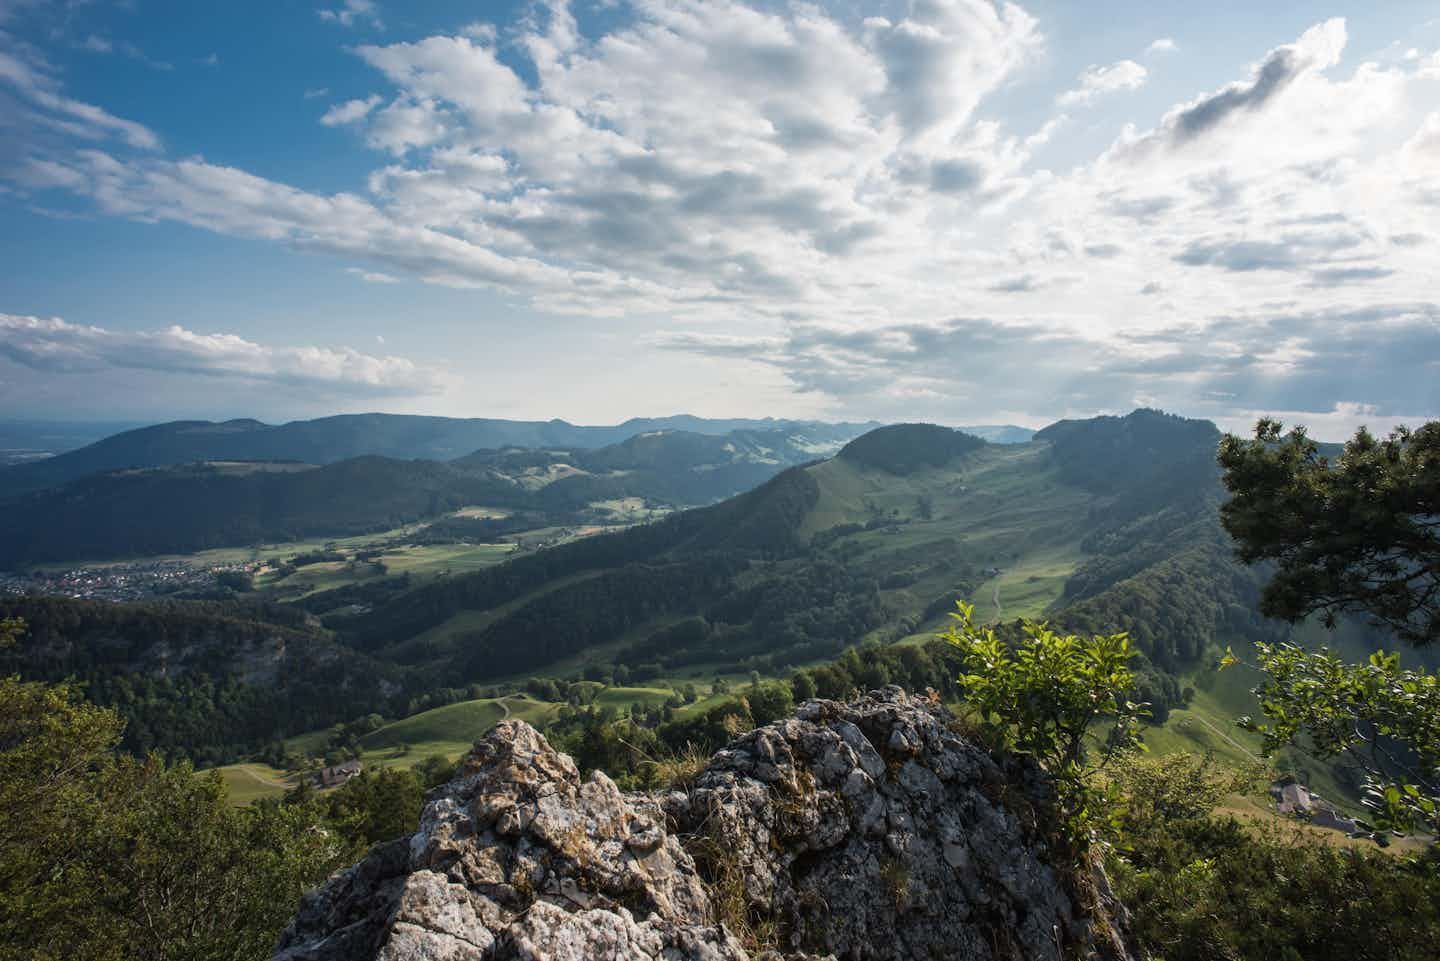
(945,210)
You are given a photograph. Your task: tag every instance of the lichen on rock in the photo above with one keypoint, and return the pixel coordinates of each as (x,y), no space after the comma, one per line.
(867,829)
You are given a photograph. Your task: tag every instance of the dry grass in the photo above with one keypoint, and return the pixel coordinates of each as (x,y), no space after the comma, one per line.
(720,867)
(679,772)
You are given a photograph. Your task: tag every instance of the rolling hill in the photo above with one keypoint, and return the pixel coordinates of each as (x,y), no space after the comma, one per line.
(330,439)
(199,506)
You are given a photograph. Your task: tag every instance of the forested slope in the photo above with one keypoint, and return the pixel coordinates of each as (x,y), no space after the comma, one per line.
(198,679)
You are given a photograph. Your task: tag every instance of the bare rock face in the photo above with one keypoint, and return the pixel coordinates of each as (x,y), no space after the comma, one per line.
(867,830)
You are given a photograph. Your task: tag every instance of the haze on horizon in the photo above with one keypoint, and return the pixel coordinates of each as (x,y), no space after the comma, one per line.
(944,210)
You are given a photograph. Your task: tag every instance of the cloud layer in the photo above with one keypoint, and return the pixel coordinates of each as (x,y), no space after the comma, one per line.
(53,346)
(835,200)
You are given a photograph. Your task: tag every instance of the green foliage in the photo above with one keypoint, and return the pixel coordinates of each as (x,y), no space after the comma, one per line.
(1360,535)
(1201,888)
(379,805)
(105,857)
(1151,790)
(241,582)
(206,506)
(1384,719)
(1045,697)
(208,704)
(1145,449)
(770,701)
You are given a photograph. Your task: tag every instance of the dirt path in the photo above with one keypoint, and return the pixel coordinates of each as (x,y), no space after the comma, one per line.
(264,779)
(996,598)
(504,703)
(1228,739)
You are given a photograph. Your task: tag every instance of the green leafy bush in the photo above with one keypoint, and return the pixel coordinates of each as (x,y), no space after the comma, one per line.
(1046,696)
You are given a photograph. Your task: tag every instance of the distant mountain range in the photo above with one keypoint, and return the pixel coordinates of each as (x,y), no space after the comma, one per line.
(23,441)
(221,503)
(401,436)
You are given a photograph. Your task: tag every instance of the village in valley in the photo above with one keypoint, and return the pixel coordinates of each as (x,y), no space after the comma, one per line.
(130,581)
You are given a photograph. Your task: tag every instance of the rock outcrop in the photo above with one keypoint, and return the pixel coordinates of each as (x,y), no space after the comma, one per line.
(861,830)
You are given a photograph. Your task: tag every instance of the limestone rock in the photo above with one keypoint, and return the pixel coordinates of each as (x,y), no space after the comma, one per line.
(862,830)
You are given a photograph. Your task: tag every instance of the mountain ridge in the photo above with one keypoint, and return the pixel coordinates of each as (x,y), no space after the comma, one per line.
(342,436)
(403,436)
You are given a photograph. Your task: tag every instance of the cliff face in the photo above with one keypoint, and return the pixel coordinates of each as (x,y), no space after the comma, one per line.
(860,830)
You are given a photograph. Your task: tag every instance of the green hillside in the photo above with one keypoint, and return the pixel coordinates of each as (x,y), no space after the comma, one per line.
(871,546)
(525,493)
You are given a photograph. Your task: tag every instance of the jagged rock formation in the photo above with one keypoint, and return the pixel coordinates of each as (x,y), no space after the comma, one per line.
(860,830)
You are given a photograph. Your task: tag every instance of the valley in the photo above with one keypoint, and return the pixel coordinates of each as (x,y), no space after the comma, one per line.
(445,623)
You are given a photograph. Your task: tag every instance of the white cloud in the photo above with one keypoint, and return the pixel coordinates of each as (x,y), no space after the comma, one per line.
(1318,49)
(41,92)
(372,277)
(351,111)
(1096,82)
(839,205)
(353,13)
(484,32)
(56,347)
(405,124)
(1162,45)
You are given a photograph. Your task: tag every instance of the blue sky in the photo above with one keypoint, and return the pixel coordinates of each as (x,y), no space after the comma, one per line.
(947,210)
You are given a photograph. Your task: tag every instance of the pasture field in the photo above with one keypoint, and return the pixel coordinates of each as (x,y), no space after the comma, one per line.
(252,782)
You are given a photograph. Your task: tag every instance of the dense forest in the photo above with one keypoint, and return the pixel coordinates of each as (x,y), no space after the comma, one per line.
(209,681)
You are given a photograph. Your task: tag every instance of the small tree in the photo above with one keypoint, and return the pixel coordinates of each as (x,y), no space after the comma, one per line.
(1048,695)
(1384,719)
(1361,535)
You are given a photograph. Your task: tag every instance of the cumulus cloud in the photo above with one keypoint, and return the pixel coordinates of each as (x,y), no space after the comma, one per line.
(831,189)
(1317,49)
(57,347)
(1290,251)
(1340,276)
(351,111)
(1162,45)
(1096,82)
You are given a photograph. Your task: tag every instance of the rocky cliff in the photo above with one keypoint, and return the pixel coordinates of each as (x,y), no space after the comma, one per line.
(863,830)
